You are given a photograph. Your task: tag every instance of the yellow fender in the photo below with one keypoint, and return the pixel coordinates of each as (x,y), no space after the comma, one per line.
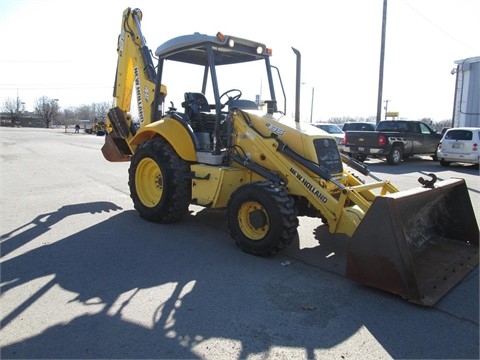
(174,132)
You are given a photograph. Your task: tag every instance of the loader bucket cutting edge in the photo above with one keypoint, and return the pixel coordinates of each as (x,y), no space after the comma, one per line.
(417,244)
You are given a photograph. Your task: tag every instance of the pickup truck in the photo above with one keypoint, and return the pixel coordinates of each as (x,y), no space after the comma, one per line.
(393,140)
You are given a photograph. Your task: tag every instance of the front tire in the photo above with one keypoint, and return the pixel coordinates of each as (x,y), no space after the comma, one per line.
(159,183)
(262,218)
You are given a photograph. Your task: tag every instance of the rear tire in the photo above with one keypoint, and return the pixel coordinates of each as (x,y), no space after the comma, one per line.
(262,218)
(159,182)
(395,156)
(361,157)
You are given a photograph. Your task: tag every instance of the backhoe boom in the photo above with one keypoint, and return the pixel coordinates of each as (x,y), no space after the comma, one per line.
(135,68)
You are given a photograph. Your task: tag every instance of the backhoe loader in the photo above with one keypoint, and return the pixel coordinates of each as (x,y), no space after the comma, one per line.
(241,152)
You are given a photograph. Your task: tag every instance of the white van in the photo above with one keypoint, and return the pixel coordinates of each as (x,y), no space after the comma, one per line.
(460,144)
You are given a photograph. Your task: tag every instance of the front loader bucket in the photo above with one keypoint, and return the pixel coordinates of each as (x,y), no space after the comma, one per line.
(418,244)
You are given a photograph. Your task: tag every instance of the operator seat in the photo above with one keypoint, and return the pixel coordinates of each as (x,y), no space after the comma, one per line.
(198,110)
(195,103)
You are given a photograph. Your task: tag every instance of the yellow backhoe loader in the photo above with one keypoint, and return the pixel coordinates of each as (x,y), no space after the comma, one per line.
(241,152)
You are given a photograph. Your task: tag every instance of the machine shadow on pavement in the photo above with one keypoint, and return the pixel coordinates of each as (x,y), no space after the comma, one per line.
(171,291)
(42,223)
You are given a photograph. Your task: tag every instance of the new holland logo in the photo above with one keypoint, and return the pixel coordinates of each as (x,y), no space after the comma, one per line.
(309,186)
(138,92)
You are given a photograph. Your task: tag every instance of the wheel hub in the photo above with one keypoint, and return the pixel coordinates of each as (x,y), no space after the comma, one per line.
(257,219)
(253,220)
(149,182)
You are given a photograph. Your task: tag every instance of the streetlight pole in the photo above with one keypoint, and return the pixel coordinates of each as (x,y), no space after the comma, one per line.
(312,101)
(382,59)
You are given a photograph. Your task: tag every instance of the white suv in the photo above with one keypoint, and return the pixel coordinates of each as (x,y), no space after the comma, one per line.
(460,144)
(332,129)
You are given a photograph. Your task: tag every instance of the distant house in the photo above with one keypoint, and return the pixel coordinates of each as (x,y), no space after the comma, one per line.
(25,119)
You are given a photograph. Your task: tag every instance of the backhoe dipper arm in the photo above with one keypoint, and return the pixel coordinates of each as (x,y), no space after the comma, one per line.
(135,67)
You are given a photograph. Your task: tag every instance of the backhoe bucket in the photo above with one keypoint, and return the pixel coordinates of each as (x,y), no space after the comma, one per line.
(111,150)
(417,244)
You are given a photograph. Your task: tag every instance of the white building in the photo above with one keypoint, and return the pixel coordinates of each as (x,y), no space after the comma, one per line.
(466,105)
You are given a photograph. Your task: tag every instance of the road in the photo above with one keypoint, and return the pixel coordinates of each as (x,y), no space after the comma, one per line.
(82,276)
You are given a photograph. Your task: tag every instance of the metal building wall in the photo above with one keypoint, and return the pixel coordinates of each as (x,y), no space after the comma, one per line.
(467,94)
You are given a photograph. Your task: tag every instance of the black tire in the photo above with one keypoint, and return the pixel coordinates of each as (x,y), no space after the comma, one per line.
(159,183)
(395,156)
(262,218)
(361,157)
(445,163)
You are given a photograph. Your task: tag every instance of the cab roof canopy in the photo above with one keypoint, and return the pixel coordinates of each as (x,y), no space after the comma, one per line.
(192,49)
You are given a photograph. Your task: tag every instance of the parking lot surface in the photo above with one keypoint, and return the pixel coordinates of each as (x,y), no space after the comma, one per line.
(83,276)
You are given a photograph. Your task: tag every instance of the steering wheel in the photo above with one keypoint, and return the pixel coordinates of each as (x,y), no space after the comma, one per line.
(230,97)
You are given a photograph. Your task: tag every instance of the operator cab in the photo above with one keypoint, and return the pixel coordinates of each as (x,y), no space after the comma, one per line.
(205,111)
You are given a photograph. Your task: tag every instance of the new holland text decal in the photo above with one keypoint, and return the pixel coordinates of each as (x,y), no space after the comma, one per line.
(138,92)
(309,186)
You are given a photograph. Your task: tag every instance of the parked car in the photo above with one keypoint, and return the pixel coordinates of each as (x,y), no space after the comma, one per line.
(394,140)
(459,145)
(444,129)
(359,126)
(331,129)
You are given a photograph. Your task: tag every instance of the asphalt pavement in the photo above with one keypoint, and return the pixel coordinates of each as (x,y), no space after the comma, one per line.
(83,276)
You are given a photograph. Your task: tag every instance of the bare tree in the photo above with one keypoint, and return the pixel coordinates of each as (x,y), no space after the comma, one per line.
(69,116)
(49,112)
(442,124)
(15,107)
(101,110)
(47,109)
(85,112)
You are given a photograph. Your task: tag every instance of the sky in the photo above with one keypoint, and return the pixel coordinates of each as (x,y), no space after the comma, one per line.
(66,50)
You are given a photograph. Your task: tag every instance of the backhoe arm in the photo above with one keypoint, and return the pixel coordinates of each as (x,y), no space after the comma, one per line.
(135,67)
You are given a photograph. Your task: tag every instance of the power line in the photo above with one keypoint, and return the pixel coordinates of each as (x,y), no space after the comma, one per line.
(52,86)
(438,27)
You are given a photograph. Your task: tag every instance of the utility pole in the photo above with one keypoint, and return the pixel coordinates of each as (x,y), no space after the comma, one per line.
(382,58)
(311,107)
